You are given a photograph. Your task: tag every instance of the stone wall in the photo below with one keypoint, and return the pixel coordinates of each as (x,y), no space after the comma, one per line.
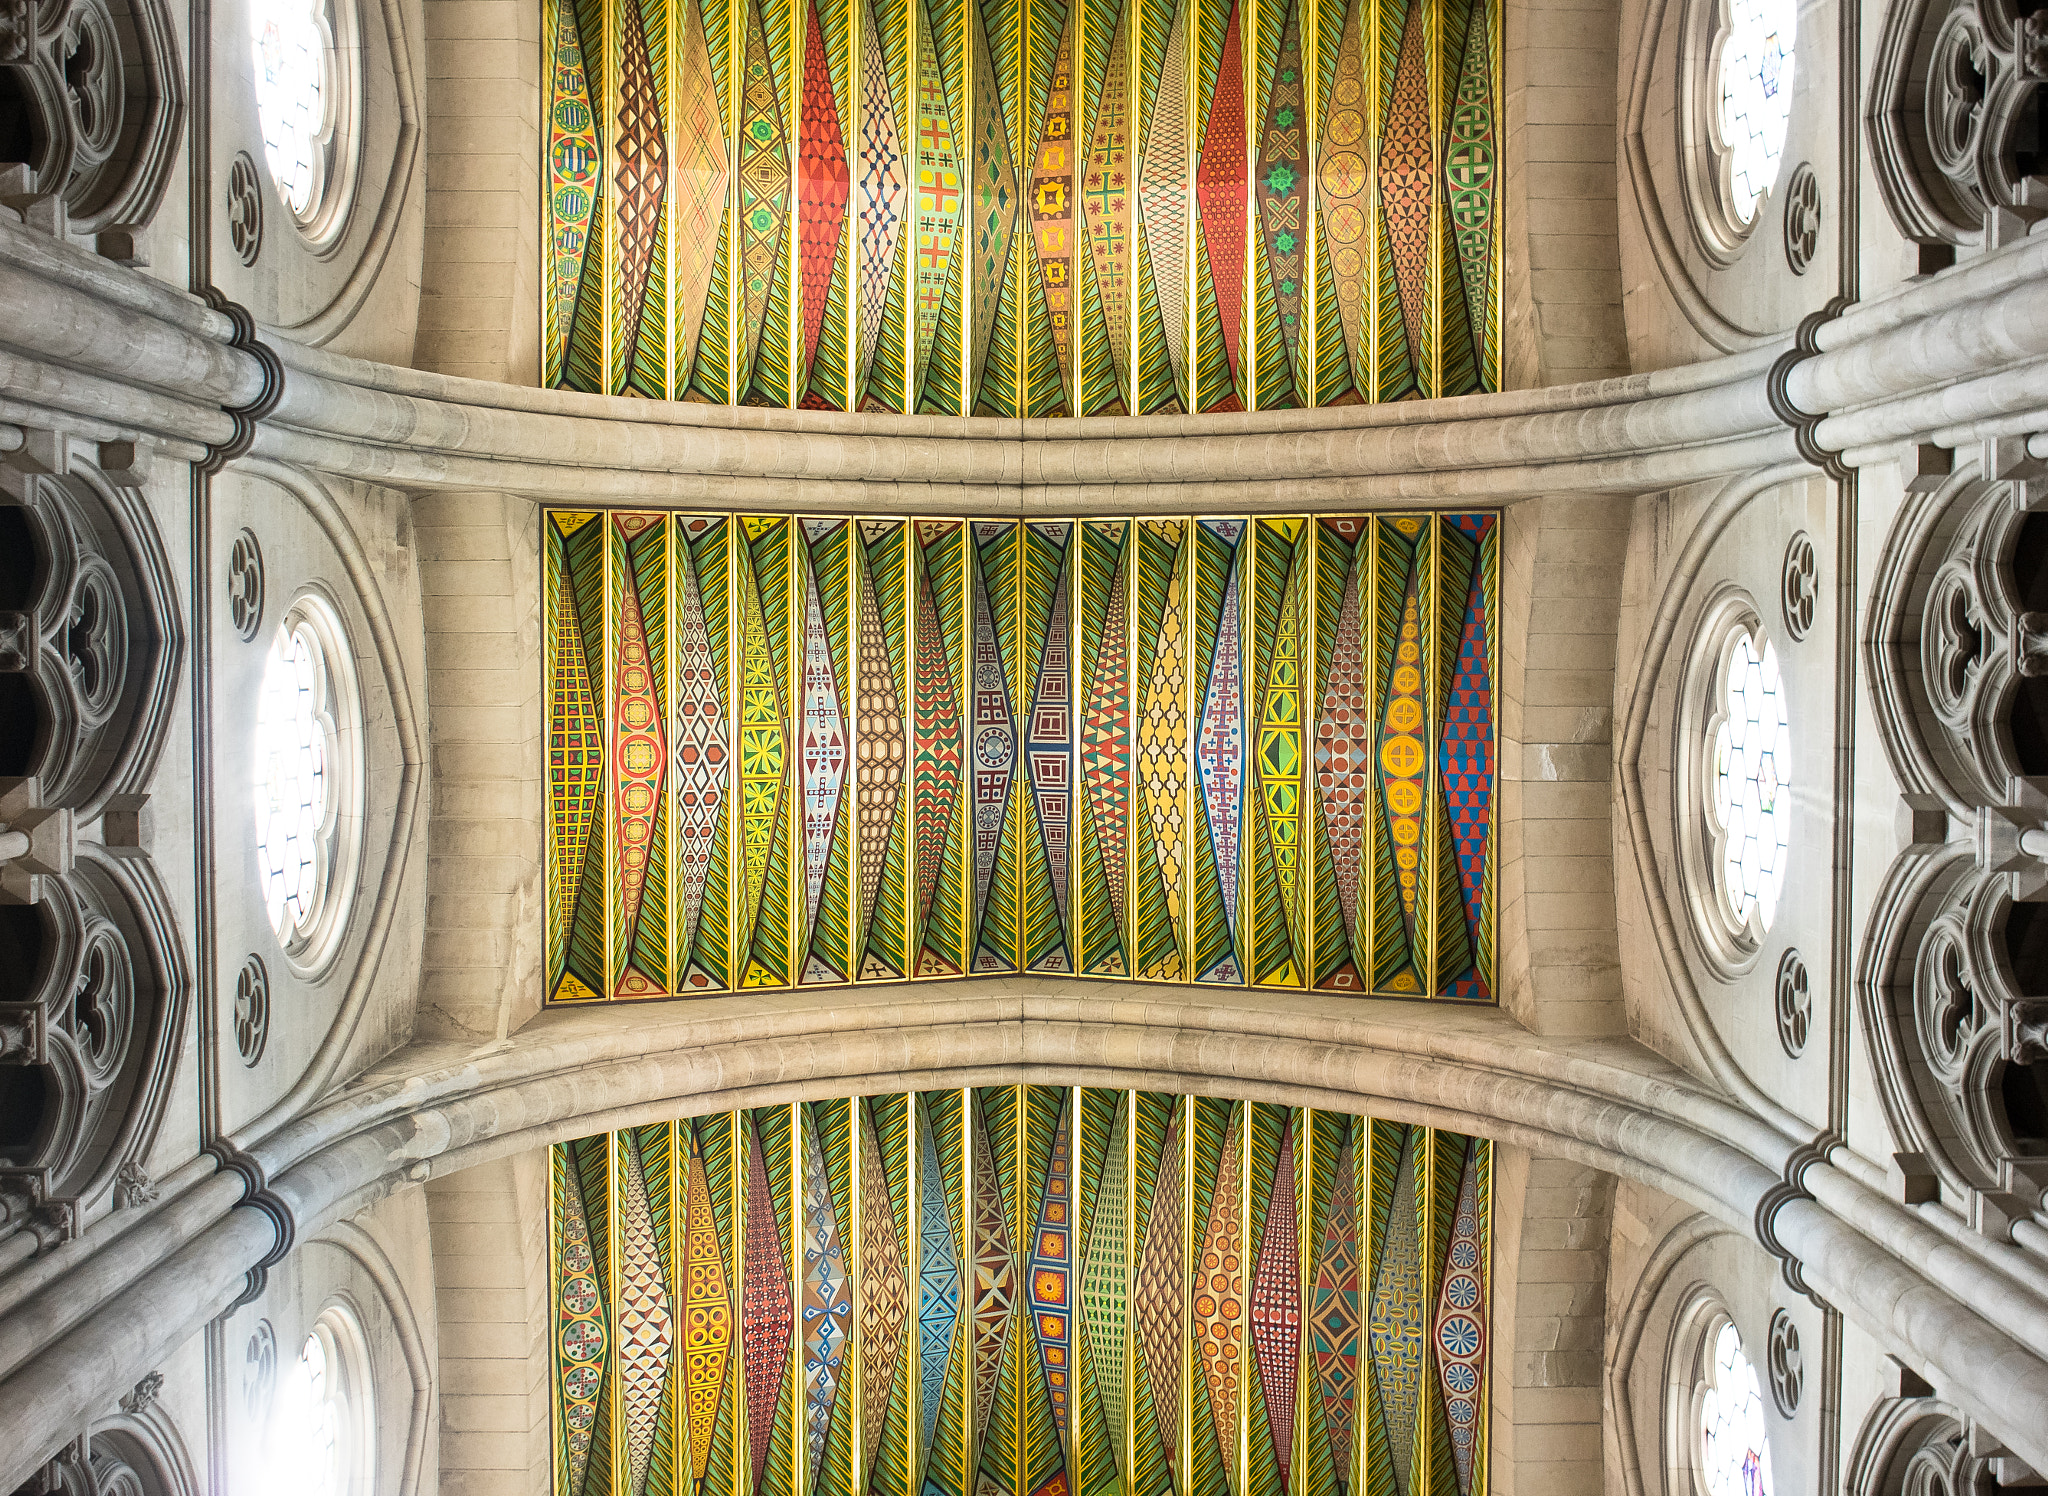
(479,976)
(491,1296)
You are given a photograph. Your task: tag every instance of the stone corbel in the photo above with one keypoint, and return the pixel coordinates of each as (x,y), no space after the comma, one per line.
(51,1221)
(17,30)
(144,1395)
(2007,459)
(2008,1470)
(2030,644)
(39,210)
(2026,1031)
(37,841)
(2012,839)
(24,1034)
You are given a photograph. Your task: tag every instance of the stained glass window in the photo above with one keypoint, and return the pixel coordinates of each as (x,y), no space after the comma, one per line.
(1033,1289)
(791,751)
(294,741)
(294,105)
(1752,782)
(1735,1455)
(1756,96)
(1124,207)
(306,789)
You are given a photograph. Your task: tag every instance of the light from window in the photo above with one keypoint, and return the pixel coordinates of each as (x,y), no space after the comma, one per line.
(316,1444)
(1752,796)
(294,743)
(1756,97)
(290,41)
(1735,1456)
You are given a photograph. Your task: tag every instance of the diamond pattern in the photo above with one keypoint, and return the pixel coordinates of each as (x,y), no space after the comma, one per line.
(822,184)
(639,164)
(1157,1297)
(884,189)
(1276,1307)
(700,754)
(646,1322)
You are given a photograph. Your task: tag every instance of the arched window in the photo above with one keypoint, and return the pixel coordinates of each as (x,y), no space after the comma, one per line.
(306,106)
(1753,59)
(1735,774)
(1734,1453)
(1750,807)
(307,789)
(322,1436)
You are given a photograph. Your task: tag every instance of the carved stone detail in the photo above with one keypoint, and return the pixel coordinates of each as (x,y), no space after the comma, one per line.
(1802,218)
(1794,1003)
(1951,120)
(95,632)
(1916,1446)
(1785,1365)
(92,1005)
(1949,989)
(100,81)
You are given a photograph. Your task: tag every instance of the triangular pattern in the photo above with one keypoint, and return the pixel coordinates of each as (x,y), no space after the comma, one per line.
(1334,1317)
(995,1282)
(884,1296)
(646,1319)
(938,1284)
(828,1297)
(1220,192)
(1105,1304)
(767,1314)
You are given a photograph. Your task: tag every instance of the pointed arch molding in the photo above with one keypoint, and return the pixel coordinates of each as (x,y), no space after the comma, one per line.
(1608,1104)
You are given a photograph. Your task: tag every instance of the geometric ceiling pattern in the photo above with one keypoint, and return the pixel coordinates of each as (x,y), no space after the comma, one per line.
(786,751)
(1022,207)
(1021,1291)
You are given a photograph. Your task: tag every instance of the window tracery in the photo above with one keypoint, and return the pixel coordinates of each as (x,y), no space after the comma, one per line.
(1734,765)
(306,793)
(91,980)
(1752,769)
(305,103)
(1734,1450)
(323,1418)
(1956,943)
(1754,71)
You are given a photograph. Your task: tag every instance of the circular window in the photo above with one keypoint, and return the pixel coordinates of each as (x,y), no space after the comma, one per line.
(1735,780)
(1734,1453)
(307,789)
(322,1424)
(301,53)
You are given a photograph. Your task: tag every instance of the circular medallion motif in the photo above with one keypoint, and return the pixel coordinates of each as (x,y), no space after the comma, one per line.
(1458,1336)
